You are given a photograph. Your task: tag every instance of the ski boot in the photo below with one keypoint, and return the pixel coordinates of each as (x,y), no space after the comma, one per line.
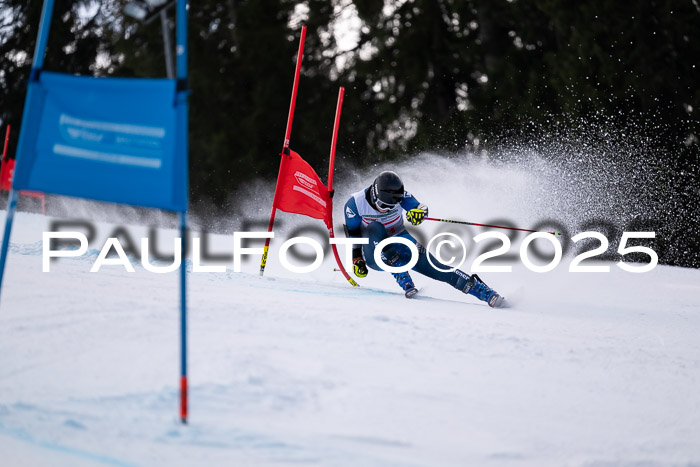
(404,280)
(475,286)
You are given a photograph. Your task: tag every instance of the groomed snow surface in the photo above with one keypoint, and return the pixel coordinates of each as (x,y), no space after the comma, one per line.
(598,369)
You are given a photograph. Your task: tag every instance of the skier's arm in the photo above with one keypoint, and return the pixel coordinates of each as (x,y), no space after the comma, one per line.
(353,220)
(353,224)
(415,211)
(409,202)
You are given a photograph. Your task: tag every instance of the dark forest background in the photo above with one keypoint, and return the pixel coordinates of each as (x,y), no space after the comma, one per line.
(438,75)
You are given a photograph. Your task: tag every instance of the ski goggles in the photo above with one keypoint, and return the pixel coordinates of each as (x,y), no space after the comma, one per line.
(382,205)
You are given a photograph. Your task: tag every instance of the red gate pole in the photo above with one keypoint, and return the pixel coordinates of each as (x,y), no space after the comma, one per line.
(334,140)
(285,146)
(7,139)
(4,169)
(3,173)
(331,164)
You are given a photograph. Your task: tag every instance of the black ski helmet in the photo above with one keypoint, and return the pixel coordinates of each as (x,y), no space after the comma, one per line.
(387,190)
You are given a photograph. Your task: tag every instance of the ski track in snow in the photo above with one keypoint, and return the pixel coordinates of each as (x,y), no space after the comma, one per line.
(584,370)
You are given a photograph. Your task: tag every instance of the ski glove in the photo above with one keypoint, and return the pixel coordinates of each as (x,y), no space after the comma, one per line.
(359,267)
(416,216)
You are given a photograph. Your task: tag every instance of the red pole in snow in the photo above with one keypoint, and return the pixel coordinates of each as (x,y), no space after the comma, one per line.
(7,139)
(295,87)
(331,164)
(334,140)
(285,146)
(5,176)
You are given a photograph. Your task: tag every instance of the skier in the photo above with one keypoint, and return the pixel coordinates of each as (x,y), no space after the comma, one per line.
(376,213)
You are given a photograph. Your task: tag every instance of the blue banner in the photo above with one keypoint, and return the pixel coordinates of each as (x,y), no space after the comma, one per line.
(107,139)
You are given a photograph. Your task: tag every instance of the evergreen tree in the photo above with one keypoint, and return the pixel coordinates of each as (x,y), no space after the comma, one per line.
(79,42)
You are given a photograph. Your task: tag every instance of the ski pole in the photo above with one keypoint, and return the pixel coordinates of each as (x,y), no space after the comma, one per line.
(486,225)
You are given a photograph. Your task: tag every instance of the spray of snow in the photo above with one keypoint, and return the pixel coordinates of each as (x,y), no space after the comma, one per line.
(573,177)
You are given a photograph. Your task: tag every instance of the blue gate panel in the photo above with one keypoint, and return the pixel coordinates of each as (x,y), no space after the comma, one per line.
(107,139)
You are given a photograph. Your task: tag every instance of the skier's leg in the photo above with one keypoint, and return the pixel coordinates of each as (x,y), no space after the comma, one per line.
(458,279)
(375,232)
(392,255)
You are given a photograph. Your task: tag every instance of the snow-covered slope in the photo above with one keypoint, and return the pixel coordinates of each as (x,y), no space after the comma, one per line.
(586,369)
